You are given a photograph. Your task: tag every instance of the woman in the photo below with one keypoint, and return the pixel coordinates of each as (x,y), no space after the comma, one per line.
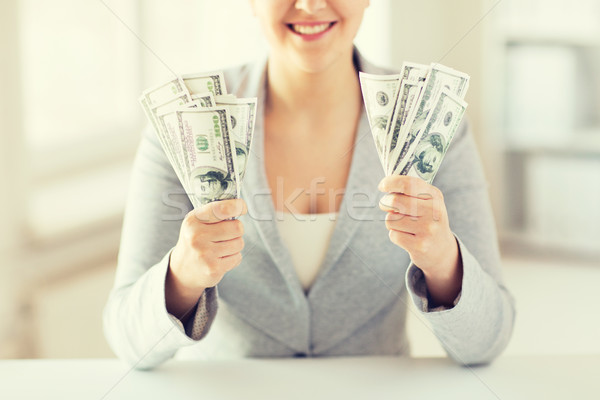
(313,158)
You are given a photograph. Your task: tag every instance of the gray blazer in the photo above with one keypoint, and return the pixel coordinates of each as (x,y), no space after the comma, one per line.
(358,303)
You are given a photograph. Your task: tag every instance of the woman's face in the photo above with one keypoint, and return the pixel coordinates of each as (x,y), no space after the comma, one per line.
(310,34)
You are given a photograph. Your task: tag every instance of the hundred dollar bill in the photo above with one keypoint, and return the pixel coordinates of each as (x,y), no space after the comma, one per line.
(206,99)
(172,137)
(414,72)
(163,93)
(213,82)
(209,148)
(164,139)
(441,125)
(242,113)
(403,111)
(439,77)
(380,93)
(178,101)
(411,75)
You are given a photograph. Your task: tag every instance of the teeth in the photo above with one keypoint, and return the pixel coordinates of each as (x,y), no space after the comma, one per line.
(310,29)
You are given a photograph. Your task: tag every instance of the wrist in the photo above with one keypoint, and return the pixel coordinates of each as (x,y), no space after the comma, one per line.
(444,280)
(180,298)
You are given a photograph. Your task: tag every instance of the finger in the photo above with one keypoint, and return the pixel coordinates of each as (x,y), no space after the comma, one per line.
(222,231)
(408,185)
(422,228)
(405,205)
(403,239)
(228,247)
(221,210)
(401,223)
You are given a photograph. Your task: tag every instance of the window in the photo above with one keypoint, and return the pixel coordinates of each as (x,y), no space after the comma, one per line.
(80,81)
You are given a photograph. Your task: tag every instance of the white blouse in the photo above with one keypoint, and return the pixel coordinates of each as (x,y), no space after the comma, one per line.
(307,239)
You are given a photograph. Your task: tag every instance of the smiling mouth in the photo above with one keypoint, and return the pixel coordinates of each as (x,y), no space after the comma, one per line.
(310,29)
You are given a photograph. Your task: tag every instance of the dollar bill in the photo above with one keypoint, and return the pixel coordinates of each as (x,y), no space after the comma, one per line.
(209,147)
(206,99)
(409,93)
(439,77)
(428,151)
(242,115)
(213,82)
(178,101)
(204,139)
(380,93)
(161,94)
(414,72)
(412,76)
(172,136)
(164,140)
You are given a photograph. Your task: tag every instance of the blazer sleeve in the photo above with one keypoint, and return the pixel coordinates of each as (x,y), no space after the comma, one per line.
(137,324)
(479,326)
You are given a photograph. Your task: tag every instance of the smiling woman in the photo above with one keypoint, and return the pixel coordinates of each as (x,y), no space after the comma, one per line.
(223,282)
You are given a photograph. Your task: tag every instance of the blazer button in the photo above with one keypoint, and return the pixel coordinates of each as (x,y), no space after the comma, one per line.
(300,355)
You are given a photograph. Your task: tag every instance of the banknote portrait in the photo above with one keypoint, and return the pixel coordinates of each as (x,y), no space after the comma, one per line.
(211,184)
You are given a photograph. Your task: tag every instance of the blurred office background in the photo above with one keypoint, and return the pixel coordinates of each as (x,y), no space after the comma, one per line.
(71,73)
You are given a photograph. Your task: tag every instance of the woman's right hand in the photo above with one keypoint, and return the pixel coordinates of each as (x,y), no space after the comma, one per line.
(210,244)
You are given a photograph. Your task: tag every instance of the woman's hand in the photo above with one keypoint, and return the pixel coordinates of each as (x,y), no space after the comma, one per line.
(417,221)
(210,244)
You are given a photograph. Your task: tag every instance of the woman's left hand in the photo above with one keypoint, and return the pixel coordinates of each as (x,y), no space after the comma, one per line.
(417,221)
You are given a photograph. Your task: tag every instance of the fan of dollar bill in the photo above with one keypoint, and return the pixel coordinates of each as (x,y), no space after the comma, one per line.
(413,116)
(205,133)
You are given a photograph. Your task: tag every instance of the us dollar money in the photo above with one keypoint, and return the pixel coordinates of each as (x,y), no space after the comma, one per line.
(380,93)
(404,110)
(171,135)
(206,99)
(164,139)
(209,146)
(414,72)
(412,76)
(213,82)
(242,114)
(161,94)
(439,77)
(441,125)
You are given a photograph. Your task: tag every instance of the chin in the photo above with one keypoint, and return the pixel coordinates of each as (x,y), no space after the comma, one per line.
(317,61)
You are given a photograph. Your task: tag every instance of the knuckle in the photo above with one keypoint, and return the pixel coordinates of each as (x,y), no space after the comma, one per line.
(237,259)
(238,227)
(188,221)
(438,193)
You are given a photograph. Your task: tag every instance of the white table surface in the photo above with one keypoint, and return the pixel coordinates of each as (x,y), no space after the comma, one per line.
(531,378)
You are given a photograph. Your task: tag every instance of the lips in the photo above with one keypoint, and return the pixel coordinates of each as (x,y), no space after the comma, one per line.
(310,29)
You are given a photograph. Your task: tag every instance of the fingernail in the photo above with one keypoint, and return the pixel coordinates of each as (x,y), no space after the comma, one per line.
(387,201)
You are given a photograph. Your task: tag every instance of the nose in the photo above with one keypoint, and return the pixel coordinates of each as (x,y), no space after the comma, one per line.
(310,6)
